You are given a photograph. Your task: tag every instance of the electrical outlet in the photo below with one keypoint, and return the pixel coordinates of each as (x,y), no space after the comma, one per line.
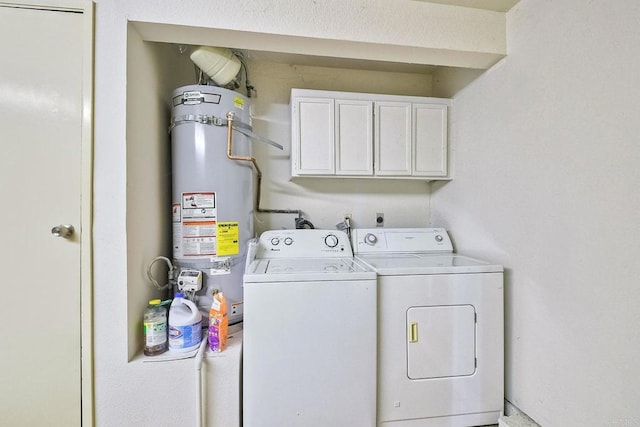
(380,219)
(237,308)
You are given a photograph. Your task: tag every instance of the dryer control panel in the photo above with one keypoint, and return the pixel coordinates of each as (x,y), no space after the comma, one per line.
(305,243)
(398,240)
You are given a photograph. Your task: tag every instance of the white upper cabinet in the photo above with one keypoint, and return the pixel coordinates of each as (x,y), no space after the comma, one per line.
(353,136)
(393,138)
(313,129)
(345,134)
(429,135)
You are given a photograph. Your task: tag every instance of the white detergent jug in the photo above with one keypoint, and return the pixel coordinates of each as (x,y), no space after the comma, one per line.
(185,324)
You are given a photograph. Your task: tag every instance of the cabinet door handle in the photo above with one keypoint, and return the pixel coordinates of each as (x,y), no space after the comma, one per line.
(413,332)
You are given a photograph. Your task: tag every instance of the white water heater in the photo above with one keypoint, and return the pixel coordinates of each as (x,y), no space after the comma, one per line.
(212,195)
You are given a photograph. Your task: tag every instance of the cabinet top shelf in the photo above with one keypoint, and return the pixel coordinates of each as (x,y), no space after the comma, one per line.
(298,93)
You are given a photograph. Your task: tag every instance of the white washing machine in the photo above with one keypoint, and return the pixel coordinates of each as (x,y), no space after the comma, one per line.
(309,349)
(440,329)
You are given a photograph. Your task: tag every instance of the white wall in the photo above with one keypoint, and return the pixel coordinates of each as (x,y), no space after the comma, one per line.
(325,201)
(125,236)
(546,182)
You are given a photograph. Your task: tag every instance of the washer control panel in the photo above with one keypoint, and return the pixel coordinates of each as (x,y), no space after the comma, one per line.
(305,243)
(398,240)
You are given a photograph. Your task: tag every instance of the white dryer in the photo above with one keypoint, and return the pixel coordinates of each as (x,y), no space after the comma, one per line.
(309,338)
(440,329)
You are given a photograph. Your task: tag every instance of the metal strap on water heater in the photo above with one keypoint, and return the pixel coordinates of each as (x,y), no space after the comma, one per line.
(238,126)
(204,119)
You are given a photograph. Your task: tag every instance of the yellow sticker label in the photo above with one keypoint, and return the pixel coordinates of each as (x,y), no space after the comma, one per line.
(238,102)
(228,238)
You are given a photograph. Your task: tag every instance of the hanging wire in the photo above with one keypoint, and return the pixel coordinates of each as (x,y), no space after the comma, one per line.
(243,64)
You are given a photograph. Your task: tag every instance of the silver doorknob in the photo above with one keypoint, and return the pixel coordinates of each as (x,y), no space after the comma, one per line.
(63,230)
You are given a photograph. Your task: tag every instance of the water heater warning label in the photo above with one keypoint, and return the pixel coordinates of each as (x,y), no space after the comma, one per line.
(228,238)
(195,225)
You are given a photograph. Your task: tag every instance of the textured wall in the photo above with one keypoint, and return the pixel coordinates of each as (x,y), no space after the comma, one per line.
(396,22)
(546,156)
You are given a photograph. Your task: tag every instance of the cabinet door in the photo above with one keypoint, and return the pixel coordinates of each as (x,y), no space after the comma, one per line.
(393,138)
(312,150)
(429,140)
(354,137)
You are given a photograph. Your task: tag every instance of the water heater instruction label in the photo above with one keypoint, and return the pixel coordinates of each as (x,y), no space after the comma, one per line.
(228,238)
(199,206)
(194,226)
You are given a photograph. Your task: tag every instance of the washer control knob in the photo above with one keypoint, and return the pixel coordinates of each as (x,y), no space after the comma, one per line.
(331,240)
(370,239)
(275,241)
(439,238)
(288,241)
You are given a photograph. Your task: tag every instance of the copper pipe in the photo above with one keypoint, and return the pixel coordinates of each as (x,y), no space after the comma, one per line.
(230,147)
(253,161)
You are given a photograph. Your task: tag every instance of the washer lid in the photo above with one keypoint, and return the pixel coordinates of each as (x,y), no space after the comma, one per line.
(307,269)
(408,264)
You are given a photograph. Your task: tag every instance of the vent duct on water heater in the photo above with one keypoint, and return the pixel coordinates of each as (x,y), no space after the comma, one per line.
(220,64)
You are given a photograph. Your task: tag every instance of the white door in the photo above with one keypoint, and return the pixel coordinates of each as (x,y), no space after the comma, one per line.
(441,341)
(43,96)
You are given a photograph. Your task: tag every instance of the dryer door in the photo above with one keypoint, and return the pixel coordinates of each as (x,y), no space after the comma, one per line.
(441,341)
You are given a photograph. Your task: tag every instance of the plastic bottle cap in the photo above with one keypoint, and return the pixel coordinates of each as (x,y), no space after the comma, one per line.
(155,302)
